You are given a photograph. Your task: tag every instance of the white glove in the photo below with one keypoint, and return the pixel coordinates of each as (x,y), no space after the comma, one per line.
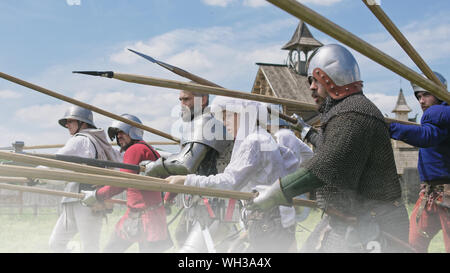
(268,197)
(89,198)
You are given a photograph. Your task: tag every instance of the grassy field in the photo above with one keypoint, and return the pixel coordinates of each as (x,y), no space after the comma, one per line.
(29,234)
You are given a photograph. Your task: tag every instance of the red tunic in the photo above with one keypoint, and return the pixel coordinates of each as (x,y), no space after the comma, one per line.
(154,217)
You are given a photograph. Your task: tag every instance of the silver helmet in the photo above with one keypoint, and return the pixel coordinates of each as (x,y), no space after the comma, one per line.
(133,132)
(417,88)
(336,68)
(78,113)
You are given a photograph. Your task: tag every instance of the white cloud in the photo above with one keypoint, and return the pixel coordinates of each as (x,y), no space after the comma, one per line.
(320,2)
(255,3)
(45,115)
(264,3)
(73,2)
(386,103)
(220,3)
(8,94)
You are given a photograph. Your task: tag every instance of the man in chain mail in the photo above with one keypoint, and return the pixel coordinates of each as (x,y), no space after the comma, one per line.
(205,150)
(432,210)
(353,169)
(90,142)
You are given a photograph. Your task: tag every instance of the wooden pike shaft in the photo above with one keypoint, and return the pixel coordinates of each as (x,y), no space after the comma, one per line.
(326,26)
(53,192)
(402,41)
(208,90)
(120,182)
(155,185)
(51,146)
(33,160)
(202,81)
(85,105)
(18,180)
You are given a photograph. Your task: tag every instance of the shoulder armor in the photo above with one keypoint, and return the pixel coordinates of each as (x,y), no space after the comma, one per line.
(207,130)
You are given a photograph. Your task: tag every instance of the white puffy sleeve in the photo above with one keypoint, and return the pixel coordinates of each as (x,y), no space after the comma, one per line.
(78,146)
(245,164)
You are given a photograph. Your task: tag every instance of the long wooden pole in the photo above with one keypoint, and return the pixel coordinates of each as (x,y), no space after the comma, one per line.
(34,160)
(53,192)
(19,180)
(401,40)
(96,179)
(193,87)
(155,185)
(85,105)
(321,23)
(200,80)
(51,146)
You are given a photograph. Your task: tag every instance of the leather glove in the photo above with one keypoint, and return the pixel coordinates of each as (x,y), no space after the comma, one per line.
(269,197)
(89,198)
(301,126)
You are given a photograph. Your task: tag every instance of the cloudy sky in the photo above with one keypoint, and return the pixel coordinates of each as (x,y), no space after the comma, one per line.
(221,40)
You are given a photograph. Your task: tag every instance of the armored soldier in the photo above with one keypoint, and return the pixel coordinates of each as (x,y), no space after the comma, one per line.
(431,212)
(90,142)
(205,150)
(144,221)
(255,160)
(353,169)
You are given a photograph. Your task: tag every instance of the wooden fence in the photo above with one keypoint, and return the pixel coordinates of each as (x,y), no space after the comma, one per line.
(16,202)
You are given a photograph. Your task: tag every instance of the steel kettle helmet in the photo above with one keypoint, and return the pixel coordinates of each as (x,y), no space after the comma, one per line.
(336,69)
(417,88)
(78,113)
(134,132)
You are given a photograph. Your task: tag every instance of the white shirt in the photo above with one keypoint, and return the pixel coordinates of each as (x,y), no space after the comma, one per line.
(294,152)
(249,165)
(256,160)
(299,149)
(78,146)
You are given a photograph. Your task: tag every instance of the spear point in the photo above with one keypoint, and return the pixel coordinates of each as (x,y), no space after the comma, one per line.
(107,74)
(153,60)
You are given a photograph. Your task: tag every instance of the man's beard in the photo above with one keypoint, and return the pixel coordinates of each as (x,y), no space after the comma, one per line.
(126,146)
(188,114)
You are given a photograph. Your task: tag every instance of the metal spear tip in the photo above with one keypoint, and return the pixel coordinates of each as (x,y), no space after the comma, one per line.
(144,56)
(153,60)
(107,74)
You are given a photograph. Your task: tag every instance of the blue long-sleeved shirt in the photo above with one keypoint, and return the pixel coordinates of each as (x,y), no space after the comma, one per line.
(433,139)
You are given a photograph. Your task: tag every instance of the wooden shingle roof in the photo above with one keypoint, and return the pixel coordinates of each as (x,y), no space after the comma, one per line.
(282,82)
(302,38)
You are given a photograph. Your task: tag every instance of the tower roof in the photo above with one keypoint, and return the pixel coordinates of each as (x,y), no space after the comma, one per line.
(302,38)
(401,105)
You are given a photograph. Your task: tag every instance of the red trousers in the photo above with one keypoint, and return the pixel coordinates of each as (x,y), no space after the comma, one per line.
(432,219)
